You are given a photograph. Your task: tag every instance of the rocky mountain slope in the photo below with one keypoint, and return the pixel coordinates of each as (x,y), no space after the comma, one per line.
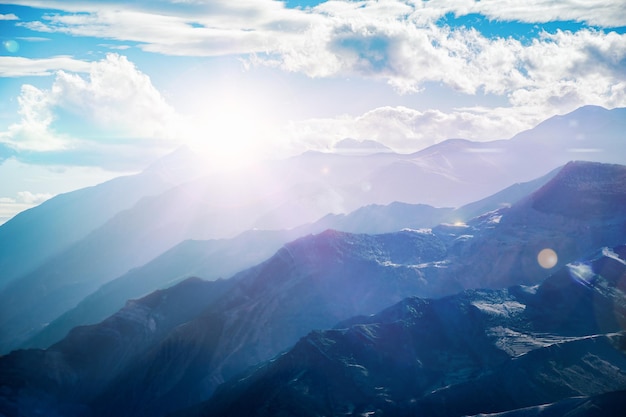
(60,380)
(482,351)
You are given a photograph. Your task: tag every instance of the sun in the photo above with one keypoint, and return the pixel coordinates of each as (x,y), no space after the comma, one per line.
(232,127)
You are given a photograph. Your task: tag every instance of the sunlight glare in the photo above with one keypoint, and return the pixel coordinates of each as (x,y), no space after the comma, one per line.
(232,130)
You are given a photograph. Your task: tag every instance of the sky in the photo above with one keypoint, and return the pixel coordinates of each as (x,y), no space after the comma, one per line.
(93,90)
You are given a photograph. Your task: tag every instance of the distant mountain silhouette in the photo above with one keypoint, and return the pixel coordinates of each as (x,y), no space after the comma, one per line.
(56,254)
(222,258)
(33,236)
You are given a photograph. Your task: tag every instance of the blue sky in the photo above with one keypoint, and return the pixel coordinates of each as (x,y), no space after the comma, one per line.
(92,90)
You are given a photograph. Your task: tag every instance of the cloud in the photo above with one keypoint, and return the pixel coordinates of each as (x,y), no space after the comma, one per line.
(9,16)
(27,197)
(23,200)
(115,110)
(603,13)
(397,42)
(409,130)
(394,41)
(14,66)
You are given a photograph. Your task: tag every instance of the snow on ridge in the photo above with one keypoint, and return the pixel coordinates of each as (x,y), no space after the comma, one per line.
(422,231)
(582,272)
(609,253)
(506,308)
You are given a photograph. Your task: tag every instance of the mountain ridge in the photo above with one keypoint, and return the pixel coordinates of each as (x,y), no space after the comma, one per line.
(499,356)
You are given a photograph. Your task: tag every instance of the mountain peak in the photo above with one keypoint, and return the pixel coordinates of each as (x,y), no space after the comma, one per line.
(180,165)
(359,147)
(595,188)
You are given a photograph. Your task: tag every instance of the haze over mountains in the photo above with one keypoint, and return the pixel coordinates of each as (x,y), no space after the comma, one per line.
(151,357)
(312,241)
(277,196)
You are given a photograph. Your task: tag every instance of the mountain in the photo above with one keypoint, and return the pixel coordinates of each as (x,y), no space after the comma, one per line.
(607,404)
(274,196)
(483,351)
(460,167)
(255,319)
(212,259)
(59,381)
(364,147)
(44,231)
(209,259)
(590,133)
(320,280)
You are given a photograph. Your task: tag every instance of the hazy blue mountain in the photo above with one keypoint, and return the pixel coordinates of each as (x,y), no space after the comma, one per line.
(47,230)
(278,195)
(363,147)
(61,381)
(482,351)
(209,259)
(319,280)
(513,235)
(247,322)
(589,133)
(212,259)
(579,209)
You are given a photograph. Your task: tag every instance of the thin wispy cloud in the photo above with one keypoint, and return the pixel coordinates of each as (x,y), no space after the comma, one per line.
(17,66)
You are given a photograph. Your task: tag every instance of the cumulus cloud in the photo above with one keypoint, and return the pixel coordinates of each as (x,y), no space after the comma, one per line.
(395,41)
(399,42)
(114,108)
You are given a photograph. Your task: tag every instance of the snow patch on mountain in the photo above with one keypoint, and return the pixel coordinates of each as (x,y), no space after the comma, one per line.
(505,308)
(582,272)
(610,253)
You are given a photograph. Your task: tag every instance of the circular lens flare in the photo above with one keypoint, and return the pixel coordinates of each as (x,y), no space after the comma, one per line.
(547,258)
(11,46)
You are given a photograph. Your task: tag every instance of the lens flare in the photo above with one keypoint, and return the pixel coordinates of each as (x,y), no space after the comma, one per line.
(11,46)
(547,258)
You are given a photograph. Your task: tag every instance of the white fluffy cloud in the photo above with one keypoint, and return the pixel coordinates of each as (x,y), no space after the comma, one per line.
(117,97)
(395,41)
(398,42)
(9,16)
(114,107)
(407,55)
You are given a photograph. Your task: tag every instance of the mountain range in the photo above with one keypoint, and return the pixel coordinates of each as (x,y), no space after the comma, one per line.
(212,259)
(446,347)
(193,291)
(59,253)
(481,351)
